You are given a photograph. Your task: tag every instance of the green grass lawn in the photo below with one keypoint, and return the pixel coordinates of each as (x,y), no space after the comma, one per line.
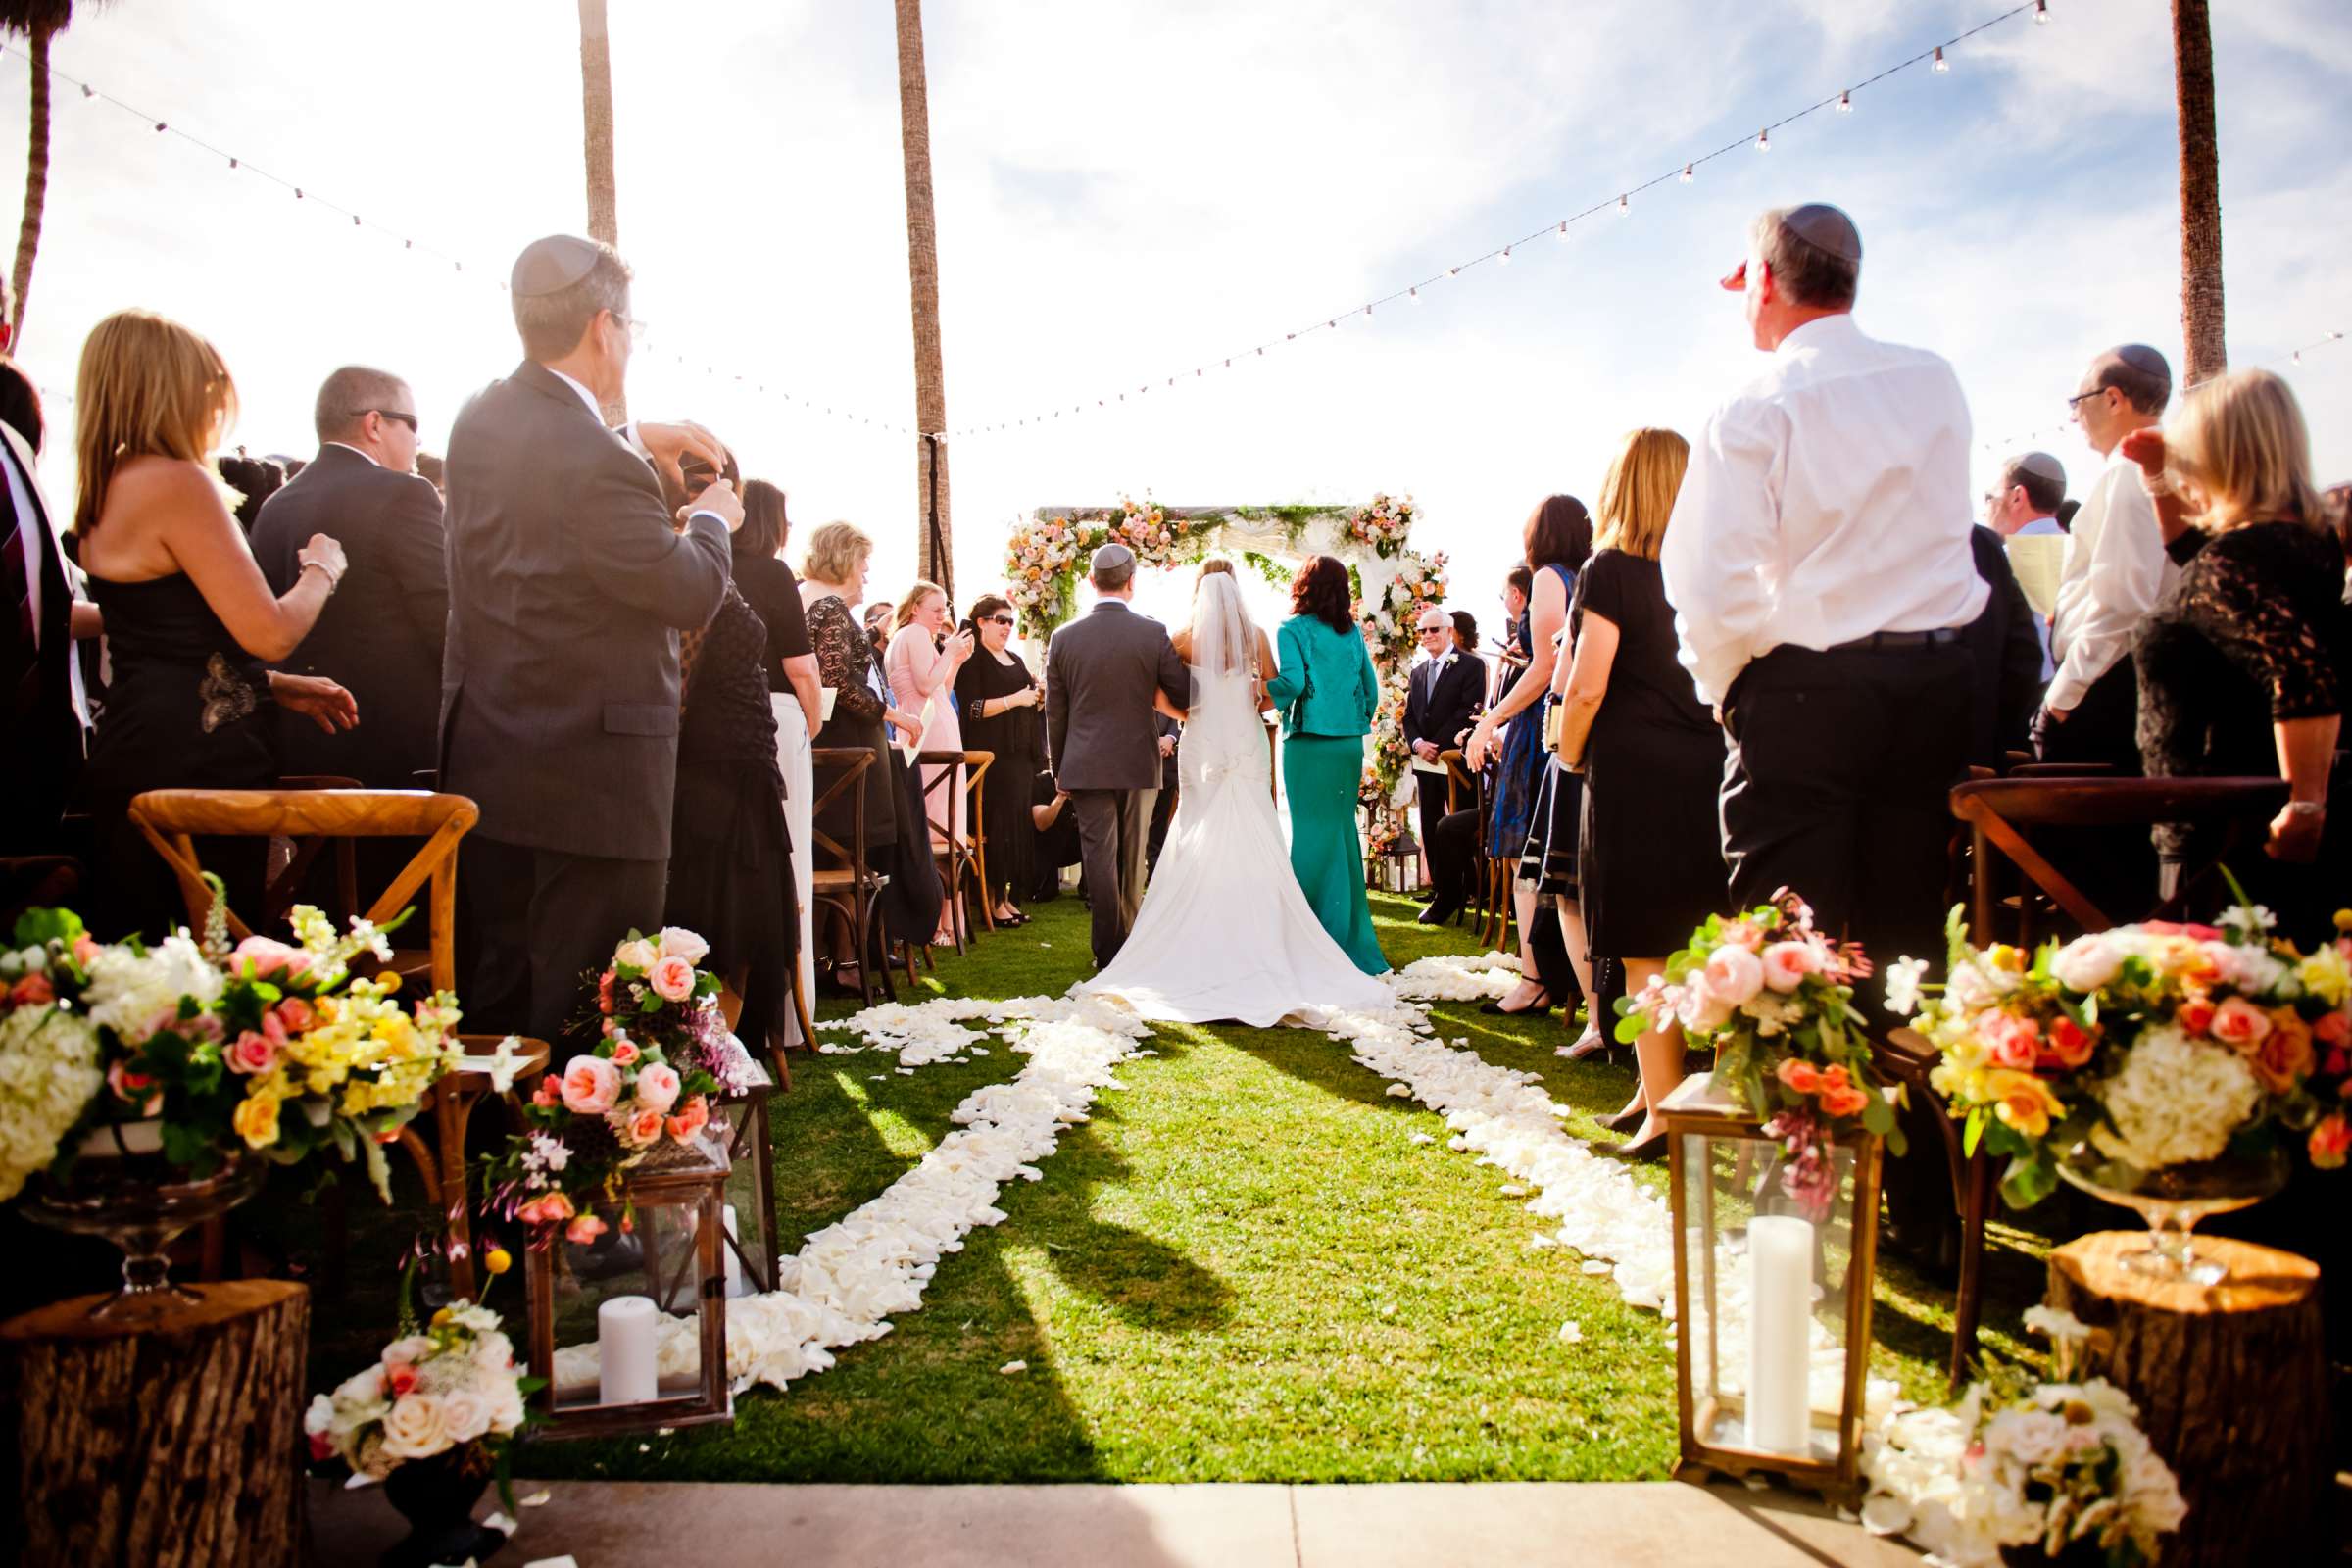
(1241,1269)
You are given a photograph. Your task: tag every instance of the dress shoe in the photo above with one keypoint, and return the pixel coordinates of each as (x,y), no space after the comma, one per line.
(1439,914)
(1541,1005)
(1625,1121)
(1648,1151)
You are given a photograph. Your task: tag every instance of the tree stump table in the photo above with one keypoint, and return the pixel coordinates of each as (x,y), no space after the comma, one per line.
(174,1440)
(2231,1382)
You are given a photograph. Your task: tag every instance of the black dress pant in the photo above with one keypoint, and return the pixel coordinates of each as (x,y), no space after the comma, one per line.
(1836,786)
(542,924)
(1449,860)
(2103,728)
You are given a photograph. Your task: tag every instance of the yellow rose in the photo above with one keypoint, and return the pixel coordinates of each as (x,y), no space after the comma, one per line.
(256,1119)
(2002,955)
(2022,1101)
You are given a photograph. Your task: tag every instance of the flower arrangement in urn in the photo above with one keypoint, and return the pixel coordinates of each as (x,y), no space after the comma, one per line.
(2060,1466)
(204,1053)
(663,1050)
(1039,557)
(1773,998)
(1384,523)
(2144,1049)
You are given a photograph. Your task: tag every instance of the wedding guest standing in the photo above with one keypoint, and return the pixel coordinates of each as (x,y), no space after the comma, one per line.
(2241,662)
(997,698)
(1327,692)
(568,585)
(2023,509)
(191,622)
(1440,702)
(1651,755)
(832,582)
(40,667)
(2115,572)
(1843,682)
(1557,538)
(383,639)
(794,697)
(926,649)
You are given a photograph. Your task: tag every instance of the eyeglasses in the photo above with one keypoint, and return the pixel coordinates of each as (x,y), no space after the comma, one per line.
(1434,631)
(999,620)
(409,420)
(2076,402)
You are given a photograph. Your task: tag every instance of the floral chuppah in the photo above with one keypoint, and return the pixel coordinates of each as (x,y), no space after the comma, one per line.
(1045,557)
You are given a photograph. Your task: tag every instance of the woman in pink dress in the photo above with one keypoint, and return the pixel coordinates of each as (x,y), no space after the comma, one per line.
(925,654)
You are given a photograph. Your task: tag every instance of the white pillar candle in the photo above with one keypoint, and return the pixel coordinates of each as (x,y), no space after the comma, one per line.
(1780,1317)
(735,1285)
(627,1330)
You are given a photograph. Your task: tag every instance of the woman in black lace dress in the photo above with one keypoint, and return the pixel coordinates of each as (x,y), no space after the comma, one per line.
(2240,665)
(896,841)
(730,853)
(997,698)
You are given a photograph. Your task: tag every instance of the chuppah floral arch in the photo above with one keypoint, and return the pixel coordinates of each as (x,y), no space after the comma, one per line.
(1392,582)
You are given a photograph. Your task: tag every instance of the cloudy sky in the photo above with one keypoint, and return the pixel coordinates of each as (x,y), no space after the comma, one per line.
(1131,190)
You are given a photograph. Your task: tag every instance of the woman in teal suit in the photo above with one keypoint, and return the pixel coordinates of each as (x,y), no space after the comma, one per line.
(1327,693)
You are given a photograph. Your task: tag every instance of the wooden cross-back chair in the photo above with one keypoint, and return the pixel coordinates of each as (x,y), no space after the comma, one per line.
(2000,815)
(1461,784)
(845,890)
(961,860)
(171,820)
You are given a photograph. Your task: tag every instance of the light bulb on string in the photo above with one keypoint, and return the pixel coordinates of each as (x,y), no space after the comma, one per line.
(1505,258)
(1846,103)
(1563,228)
(1764,141)
(1413,294)
(1689,173)
(1454,272)
(1624,208)
(1943,67)
(2041,13)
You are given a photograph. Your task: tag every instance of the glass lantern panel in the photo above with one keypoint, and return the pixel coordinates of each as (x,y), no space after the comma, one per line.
(1770,1245)
(748,1211)
(626,1323)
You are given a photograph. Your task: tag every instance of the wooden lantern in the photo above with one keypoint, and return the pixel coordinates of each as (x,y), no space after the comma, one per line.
(674,1260)
(1773,1304)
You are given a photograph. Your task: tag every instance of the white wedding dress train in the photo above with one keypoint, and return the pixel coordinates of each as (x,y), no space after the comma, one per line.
(1224,931)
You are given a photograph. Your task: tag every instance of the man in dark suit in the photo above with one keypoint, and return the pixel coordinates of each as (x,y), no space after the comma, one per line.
(1100,673)
(2005,644)
(383,642)
(1441,696)
(569,584)
(1163,808)
(47,718)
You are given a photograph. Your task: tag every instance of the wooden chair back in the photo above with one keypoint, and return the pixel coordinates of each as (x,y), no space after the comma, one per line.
(2002,813)
(171,820)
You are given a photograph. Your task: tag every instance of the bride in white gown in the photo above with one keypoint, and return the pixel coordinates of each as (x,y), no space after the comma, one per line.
(1224,931)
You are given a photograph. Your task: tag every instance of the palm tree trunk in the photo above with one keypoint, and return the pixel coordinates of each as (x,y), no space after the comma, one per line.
(935,541)
(36,184)
(596,116)
(2200,192)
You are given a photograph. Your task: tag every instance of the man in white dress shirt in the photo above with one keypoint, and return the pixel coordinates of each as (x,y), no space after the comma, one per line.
(1819,564)
(2115,569)
(2023,509)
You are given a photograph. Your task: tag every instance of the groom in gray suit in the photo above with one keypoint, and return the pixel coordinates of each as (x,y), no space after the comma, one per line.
(1100,673)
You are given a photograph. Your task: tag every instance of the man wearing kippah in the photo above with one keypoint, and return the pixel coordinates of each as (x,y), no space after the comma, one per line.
(569,581)
(2115,569)
(1820,568)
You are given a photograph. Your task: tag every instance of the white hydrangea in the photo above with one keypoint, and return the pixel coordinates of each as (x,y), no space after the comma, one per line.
(129,991)
(48,1073)
(2174,1101)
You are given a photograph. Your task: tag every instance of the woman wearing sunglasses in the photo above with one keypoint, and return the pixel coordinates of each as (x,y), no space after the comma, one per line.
(997,698)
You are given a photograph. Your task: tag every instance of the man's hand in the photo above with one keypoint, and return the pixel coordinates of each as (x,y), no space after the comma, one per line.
(670,444)
(1427,751)
(720,499)
(2058,715)
(1167,746)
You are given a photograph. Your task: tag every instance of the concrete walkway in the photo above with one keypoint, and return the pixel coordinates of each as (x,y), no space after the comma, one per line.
(1601,1525)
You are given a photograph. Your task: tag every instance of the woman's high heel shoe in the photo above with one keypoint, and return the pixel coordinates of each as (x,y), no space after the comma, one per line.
(1541,1005)
(1647,1151)
(1625,1121)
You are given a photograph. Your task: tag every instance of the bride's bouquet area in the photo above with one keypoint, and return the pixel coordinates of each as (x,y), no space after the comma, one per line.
(2062,1467)
(453,1384)
(1774,999)
(2150,1047)
(663,1050)
(201,1052)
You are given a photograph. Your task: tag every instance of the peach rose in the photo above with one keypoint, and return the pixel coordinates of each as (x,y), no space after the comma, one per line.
(585,1229)
(690,1120)
(135,1088)
(591,1086)
(1799,1075)
(2196,1014)
(550,1091)
(603,991)
(2330,1139)
(297,1013)
(2069,1044)
(2334,1029)
(624,1052)
(673,978)
(545,1210)
(2239,1022)
(1787,963)
(658,1087)
(1734,974)
(269,958)
(2012,1042)
(250,1053)
(399,1378)
(33,991)
(2284,1056)
(1848,1101)
(644,1127)
(1833,1078)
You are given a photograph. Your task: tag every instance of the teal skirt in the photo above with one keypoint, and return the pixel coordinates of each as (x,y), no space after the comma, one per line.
(1320,774)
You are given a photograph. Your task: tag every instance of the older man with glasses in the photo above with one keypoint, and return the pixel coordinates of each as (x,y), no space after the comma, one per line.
(1440,702)
(383,639)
